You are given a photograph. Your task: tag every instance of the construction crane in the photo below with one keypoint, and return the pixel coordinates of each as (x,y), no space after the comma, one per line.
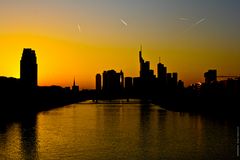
(233,77)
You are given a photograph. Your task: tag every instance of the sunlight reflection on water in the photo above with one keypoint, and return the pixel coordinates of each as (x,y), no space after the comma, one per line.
(117,131)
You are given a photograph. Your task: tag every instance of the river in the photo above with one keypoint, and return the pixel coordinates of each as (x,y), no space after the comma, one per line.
(117,130)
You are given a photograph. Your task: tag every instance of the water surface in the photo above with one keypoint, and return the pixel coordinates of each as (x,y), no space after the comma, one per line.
(117,130)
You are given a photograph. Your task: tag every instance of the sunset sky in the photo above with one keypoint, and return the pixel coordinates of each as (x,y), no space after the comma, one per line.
(79,38)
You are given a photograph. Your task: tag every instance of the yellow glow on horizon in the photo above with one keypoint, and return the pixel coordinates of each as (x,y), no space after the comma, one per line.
(202,41)
(60,59)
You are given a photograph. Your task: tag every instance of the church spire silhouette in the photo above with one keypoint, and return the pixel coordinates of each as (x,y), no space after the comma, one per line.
(75,88)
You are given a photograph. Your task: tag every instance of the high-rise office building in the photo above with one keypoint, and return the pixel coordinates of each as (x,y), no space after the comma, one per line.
(175,78)
(210,76)
(112,81)
(98,82)
(121,79)
(161,71)
(28,68)
(145,71)
(128,83)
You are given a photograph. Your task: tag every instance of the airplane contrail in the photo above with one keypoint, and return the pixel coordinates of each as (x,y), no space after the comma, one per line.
(200,21)
(183,19)
(79,28)
(125,23)
(195,24)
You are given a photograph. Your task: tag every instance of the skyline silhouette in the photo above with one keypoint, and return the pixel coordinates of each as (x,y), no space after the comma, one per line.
(164,89)
(167,90)
(23,96)
(104,42)
(29,64)
(119,79)
(29,74)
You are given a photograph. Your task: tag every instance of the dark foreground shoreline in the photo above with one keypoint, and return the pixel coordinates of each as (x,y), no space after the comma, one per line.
(212,107)
(15,112)
(215,107)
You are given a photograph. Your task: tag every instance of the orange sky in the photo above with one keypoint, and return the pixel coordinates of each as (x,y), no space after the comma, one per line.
(80,39)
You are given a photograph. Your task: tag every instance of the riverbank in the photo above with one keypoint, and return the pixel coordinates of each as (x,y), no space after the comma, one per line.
(221,107)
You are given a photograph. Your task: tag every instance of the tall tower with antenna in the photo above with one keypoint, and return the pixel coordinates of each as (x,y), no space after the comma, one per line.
(142,63)
(140,57)
(145,71)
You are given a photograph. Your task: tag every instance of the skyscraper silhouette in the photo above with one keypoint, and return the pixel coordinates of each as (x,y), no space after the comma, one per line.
(161,72)
(128,83)
(121,79)
(145,71)
(28,68)
(112,83)
(98,82)
(210,76)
